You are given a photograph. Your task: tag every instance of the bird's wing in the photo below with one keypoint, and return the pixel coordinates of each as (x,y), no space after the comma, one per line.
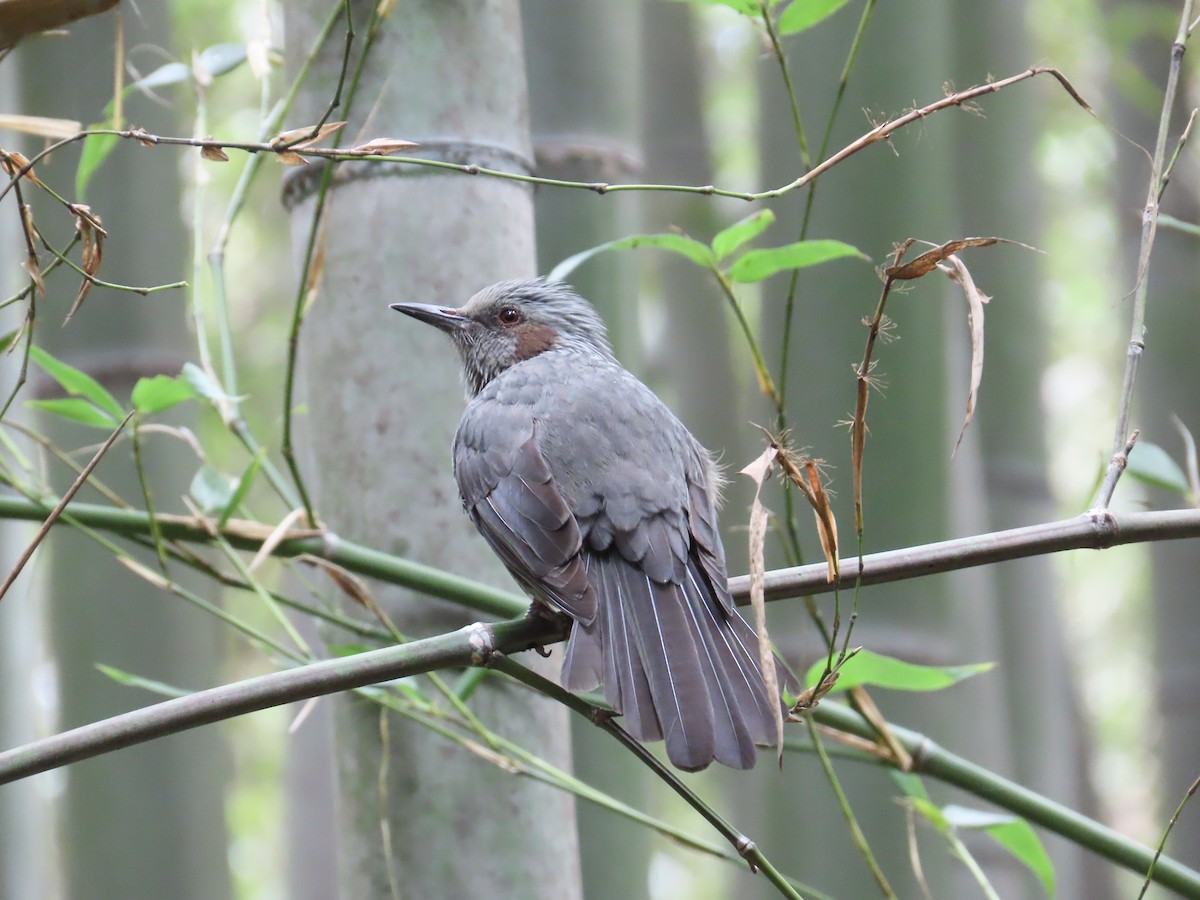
(509,492)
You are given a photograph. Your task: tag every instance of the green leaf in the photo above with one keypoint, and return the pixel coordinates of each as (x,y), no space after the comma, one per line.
(756,265)
(152,395)
(1152,465)
(149,684)
(96,148)
(867,668)
(6,340)
(803,14)
(929,811)
(738,233)
(1013,834)
(77,383)
(675,243)
(243,487)
(745,7)
(211,490)
(78,410)
(910,783)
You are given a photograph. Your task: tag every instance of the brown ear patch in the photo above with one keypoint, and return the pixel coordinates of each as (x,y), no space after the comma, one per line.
(532,339)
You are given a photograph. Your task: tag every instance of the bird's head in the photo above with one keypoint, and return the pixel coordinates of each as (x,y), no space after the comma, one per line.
(513,321)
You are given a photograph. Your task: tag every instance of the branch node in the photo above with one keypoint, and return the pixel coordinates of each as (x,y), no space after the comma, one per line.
(483,644)
(746,848)
(1104,523)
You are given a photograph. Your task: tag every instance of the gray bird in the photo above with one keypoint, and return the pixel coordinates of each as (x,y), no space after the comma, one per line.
(603,506)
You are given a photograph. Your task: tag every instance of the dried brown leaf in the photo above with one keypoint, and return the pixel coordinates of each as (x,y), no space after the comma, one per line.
(354,588)
(959,274)
(31,267)
(87,224)
(927,261)
(85,288)
(142,136)
(868,710)
(84,212)
(13,162)
(297,138)
(274,538)
(757,470)
(826,523)
(214,154)
(383,147)
(288,158)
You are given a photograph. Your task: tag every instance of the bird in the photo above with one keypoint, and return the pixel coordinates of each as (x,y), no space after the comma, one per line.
(603,507)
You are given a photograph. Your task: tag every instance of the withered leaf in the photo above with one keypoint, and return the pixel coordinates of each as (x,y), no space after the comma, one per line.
(925,263)
(958,273)
(757,470)
(31,267)
(214,154)
(383,147)
(142,136)
(300,137)
(14,162)
(288,158)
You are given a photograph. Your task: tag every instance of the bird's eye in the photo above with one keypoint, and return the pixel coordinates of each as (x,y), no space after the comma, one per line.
(510,315)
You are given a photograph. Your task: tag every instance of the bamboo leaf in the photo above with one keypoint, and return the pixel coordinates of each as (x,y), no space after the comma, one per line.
(804,14)
(756,265)
(137,681)
(243,487)
(681,244)
(96,148)
(211,489)
(874,669)
(1013,834)
(739,233)
(78,383)
(745,7)
(152,395)
(1152,465)
(77,410)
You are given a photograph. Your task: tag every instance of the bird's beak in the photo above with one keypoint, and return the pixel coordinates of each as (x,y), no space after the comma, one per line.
(444,318)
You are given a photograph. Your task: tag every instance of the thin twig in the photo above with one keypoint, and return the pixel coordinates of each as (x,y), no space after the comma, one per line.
(856,834)
(1162,842)
(341,154)
(1137,330)
(62,504)
(745,847)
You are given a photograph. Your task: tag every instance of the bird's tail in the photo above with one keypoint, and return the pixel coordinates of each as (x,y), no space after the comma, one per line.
(674,663)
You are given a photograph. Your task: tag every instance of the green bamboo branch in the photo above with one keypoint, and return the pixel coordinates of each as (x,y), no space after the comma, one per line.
(745,847)
(856,834)
(928,758)
(479,644)
(1081,532)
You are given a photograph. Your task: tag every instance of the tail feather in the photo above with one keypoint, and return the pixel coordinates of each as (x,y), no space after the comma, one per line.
(627,684)
(673,663)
